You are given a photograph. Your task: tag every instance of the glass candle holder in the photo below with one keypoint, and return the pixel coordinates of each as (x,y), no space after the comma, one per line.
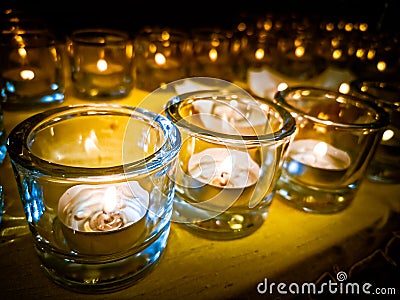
(336,138)
(233,147)
(160,57)
(31,69)
(101,62)
(95,185)
(212,54)
(385,165)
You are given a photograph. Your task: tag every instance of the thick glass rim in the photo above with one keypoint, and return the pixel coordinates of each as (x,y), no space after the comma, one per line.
(172,111)
(19,150)
(331,95)
(357,85)
(99,36)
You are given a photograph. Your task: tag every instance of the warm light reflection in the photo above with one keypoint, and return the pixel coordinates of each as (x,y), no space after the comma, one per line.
(344,88)
(90,143)
(27,74)
(160,59)
(102,65)
(387,135)
(282,86)
(320,149)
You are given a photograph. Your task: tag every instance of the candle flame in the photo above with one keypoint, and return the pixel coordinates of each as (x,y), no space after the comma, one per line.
(110,199)
(102,65)
(320,149)
(226,165)
(213,55)
(27,74)
(160,59)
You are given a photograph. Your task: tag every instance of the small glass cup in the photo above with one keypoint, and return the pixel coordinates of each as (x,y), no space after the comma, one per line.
(160,57)
(31,69)
(101,62)
(336,138)
(212,55)
(95,185)
(385,165)
(232,150)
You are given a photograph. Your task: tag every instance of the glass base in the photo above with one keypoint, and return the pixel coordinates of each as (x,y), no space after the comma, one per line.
(314,200)
(383,173)
(103,274)
(227,225)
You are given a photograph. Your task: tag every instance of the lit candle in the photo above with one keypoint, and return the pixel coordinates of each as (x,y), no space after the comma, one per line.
(223,168)
(218,178)
(26,81)
(103,219)
(104,73)
(316,161)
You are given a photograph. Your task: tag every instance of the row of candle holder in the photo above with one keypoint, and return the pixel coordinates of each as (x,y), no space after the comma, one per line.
(106,63)
(101,183)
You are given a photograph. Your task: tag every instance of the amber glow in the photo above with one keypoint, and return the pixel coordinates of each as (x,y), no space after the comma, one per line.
(160,59)
(213,55)
(102,65)
(387,135)
(27,74)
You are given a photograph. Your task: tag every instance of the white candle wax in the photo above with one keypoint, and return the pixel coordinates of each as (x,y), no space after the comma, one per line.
(26,81)
(317,163)
(103,74)
(231,118)
(317,154)
(223,168)
(103,218)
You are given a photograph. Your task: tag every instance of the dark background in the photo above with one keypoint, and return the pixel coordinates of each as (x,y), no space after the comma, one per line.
(64,16)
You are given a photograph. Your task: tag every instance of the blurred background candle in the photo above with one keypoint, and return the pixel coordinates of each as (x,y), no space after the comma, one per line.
(161,55)
(385,166)
(32,71)
(101,63)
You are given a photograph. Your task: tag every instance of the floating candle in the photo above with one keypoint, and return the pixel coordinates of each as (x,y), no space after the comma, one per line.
(103,218)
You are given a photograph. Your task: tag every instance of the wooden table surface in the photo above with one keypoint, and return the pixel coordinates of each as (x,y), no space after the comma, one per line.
(291,246)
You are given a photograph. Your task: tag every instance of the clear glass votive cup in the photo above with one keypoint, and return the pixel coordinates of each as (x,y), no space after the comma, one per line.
(232,151)
(385,165)
(161,56)
(101,63)
(336,138)
(95,185)
(31,69)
